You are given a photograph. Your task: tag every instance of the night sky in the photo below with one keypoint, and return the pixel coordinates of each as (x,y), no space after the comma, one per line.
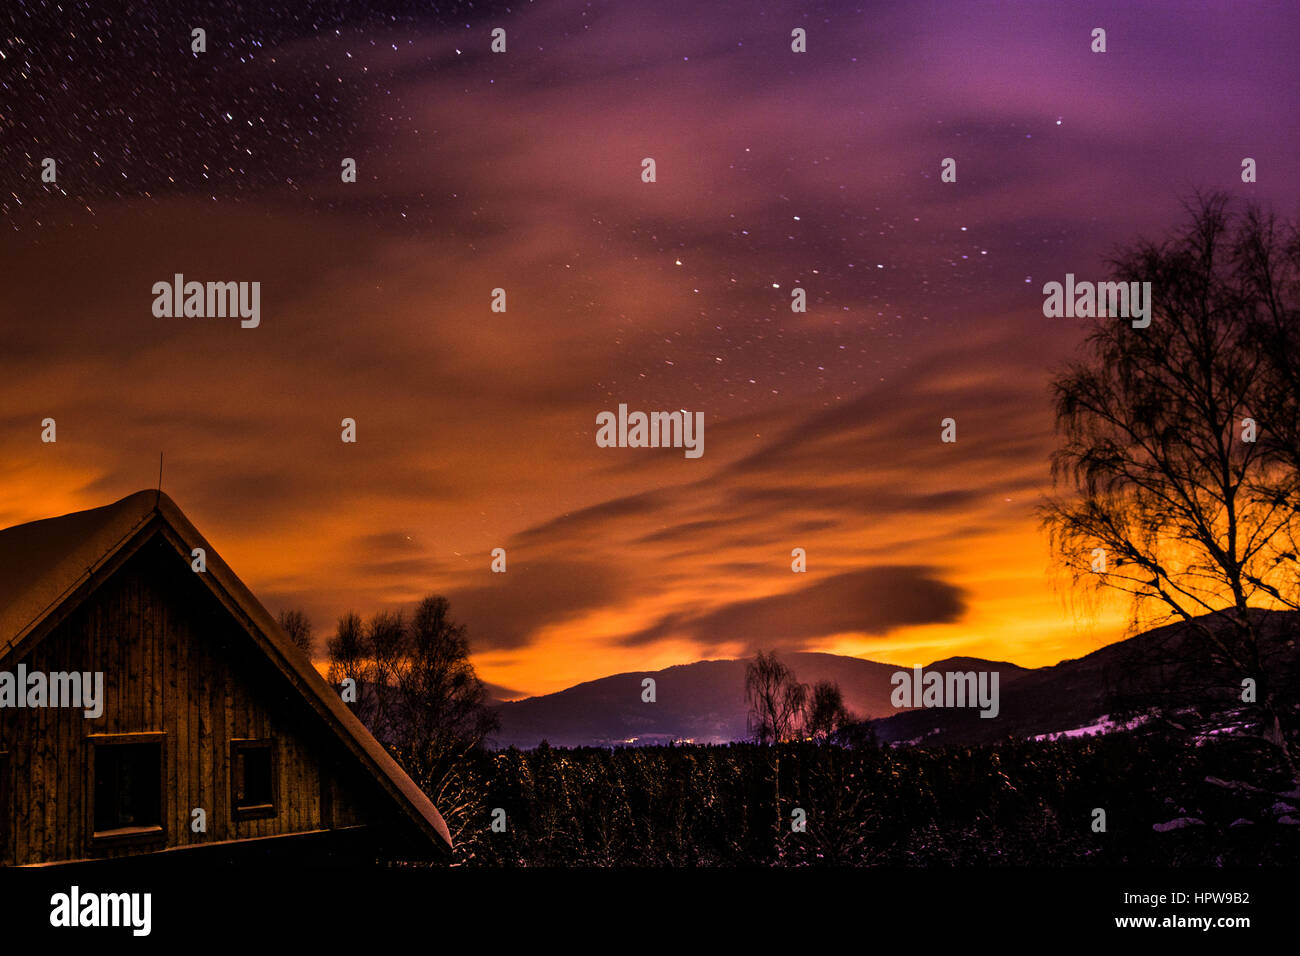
(522,170)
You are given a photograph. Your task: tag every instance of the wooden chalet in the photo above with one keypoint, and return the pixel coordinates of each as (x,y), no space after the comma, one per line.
(209,713)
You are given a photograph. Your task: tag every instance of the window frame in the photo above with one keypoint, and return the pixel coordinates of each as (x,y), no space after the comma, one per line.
(126,836)
(257,811)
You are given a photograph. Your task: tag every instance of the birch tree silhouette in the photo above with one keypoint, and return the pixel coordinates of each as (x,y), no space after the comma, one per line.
(1177,470)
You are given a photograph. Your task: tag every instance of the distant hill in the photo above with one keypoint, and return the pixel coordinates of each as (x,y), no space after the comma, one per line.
(1155,667)
(705,701)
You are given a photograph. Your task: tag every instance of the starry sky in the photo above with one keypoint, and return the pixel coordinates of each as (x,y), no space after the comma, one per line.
(522,170)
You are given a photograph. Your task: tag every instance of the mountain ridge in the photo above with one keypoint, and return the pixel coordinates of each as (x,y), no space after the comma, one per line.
(703,701)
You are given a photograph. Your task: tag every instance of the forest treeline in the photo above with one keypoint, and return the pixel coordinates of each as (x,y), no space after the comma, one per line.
(1016,803)
(814,787)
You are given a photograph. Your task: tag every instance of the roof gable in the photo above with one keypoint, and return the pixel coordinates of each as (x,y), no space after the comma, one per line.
(43,562)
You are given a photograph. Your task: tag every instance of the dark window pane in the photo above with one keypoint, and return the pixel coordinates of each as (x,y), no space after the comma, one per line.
(254,783)
(127,786)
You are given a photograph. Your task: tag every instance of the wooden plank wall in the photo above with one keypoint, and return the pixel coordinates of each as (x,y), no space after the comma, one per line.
(175,662)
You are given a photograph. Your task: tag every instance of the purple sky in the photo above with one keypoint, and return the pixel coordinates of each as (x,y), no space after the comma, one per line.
(521,170)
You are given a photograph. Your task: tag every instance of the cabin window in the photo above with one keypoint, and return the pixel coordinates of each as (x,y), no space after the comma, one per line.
(127,771)
(253,778)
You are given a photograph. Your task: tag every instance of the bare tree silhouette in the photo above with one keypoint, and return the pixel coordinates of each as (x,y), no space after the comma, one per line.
(776,699)
(418,693)
(826,711)
(1195,518)
(297,626)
